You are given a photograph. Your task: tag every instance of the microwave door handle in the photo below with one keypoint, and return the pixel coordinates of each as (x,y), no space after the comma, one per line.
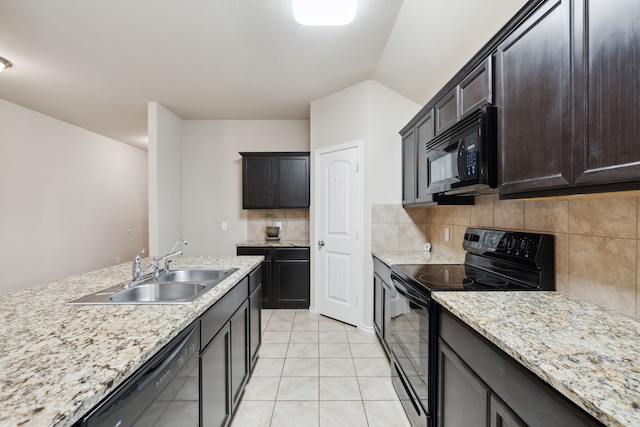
(462,170)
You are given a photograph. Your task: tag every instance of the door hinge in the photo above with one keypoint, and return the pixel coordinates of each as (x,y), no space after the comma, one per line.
(357,167)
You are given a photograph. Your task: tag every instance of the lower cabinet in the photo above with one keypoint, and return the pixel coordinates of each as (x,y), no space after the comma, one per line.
(229,344)
(214,381)
(479,385)
(285,275)
(239,351)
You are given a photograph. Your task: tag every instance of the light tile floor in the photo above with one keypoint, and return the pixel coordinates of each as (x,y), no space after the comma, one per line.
(315,371)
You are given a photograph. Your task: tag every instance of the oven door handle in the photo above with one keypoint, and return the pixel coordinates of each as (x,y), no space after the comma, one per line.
(407,292)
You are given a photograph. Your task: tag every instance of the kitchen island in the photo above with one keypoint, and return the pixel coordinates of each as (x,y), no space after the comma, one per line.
(58,360)
(589,354)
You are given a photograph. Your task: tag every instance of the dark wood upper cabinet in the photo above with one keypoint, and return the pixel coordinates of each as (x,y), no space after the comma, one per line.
(293,182)
(275,180)
(606,64)
(533,99)
(409,168)
(424,133)
(476,90)
(446,111)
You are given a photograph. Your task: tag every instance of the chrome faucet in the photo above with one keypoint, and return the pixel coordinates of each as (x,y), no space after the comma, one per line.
(155,265)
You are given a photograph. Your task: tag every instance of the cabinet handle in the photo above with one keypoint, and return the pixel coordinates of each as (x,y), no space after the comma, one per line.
(321,243)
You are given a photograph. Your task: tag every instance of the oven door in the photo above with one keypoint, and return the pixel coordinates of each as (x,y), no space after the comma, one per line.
(409,337)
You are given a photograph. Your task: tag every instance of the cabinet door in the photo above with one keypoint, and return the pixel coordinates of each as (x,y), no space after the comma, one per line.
(534,115)
(408,168)
(293,182)
(255,324)
(446,111)
(607,60)
(462,397)
(215,404)
(291,278)
(424,134)
(476,89)
(378,301)
(502,416)
(258,182)
(239,325)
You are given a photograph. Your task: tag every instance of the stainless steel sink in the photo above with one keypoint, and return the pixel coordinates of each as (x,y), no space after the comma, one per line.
(194,275)
(160,292)
(175,287)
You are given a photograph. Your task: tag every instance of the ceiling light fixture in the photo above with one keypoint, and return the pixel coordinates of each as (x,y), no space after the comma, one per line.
(4,64)
(324,12)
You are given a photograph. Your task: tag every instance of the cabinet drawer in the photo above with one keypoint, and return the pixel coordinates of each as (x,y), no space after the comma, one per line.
(255,279)
(266,252)
(292,253)
(216,317)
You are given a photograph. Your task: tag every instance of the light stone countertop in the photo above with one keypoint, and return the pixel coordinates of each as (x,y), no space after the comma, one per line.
(589,354)
(59,360)
(274,244)
(409,257)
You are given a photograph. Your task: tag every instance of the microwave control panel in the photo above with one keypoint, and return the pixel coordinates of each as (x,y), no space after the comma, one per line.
(469,153)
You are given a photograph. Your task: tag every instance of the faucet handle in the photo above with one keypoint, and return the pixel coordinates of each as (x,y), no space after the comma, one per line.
(138,256)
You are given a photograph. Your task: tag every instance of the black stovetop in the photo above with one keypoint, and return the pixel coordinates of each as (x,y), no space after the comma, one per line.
(457,277)
(496,260)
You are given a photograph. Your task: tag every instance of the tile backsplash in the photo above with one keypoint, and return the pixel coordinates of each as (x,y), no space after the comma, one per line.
(295,223)
(597,251)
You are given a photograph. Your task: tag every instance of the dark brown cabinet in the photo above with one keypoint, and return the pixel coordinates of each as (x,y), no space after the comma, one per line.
(569,100)
(285,275)
(229,342)
(534,116)
(275,180)
(480,385)
(415,173)
(606,64)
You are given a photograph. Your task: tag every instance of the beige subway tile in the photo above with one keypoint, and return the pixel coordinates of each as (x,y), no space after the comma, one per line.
(384,236)
(609,216)
(442,215)
(462,215)
(561,245)
(253,214)
(551,216)
(603,271)
(384,213)
(439,246)
(638,282)
(457,237)
(297,213)
(416,215)
(256,230)
(411,237)
(482,211)
(508,214)
(297,230)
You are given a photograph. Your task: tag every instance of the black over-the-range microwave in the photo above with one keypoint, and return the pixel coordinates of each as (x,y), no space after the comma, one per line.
(463,160)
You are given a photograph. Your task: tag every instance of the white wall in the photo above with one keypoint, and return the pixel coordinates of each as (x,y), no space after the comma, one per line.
(212,175)
(165,179)
(374,114)
(68,197)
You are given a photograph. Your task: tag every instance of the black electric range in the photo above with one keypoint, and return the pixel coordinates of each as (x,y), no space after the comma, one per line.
(495,260)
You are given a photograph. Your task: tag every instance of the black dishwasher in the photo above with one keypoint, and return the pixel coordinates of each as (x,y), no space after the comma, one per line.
(164,392)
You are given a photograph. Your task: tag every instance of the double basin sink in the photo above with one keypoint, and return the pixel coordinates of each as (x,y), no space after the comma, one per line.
(173,287)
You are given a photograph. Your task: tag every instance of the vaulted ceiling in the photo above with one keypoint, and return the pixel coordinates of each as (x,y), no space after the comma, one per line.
(96,64)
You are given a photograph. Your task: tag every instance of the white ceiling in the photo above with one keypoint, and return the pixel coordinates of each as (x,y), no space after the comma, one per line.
(96,64)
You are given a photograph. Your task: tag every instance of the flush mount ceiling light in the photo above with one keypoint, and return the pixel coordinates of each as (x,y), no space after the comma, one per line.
(324,12)
(4,64)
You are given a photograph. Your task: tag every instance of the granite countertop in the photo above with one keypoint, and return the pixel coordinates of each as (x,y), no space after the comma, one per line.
(59,360)
(274,244)
(588,353)
(409,257)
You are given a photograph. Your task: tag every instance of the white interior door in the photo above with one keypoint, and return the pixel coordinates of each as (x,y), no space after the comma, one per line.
(338,220)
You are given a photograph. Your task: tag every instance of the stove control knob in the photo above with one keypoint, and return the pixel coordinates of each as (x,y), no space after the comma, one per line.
(512,243)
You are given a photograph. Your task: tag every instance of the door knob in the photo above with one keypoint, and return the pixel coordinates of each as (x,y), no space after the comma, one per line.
(321,243)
